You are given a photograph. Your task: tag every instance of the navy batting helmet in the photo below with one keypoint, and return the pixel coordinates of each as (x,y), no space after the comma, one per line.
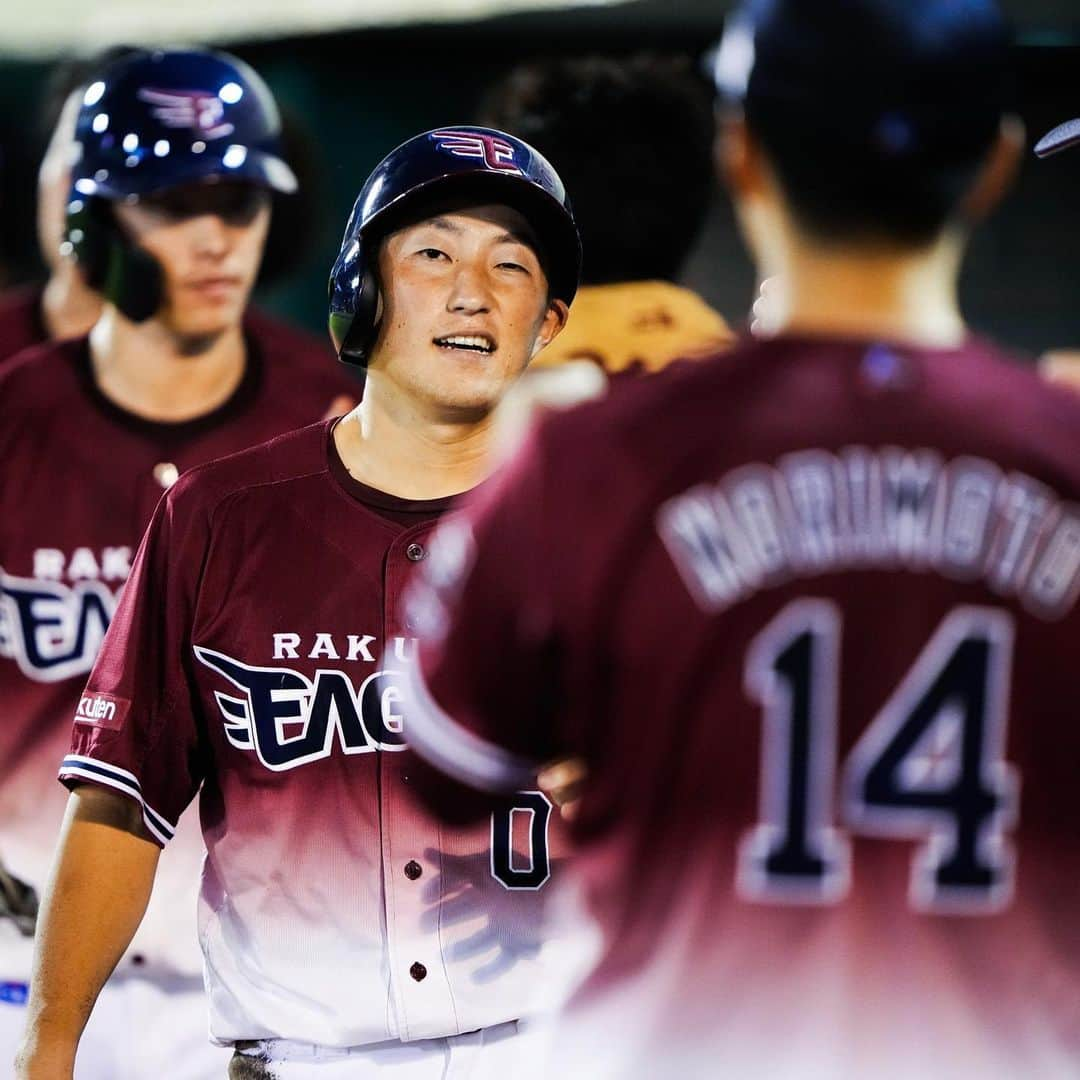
(155,120)
(449,162)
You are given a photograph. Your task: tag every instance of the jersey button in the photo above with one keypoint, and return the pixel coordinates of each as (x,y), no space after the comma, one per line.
(413,869)
(418,972)
(166,474)
(415,552)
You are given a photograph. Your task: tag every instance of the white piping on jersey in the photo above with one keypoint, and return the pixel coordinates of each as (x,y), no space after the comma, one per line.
(101,772)
(460,753)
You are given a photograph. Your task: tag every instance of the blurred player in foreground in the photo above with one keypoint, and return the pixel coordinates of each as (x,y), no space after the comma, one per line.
(344,929)
(66,305)
(167,214)
(804,614)
(639,206)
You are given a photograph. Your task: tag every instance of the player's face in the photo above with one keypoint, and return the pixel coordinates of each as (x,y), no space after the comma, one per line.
(208,239)
(465,308)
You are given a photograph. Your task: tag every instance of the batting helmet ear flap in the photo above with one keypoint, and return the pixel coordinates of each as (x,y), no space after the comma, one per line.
(86,237)
(354,305)
(123,273)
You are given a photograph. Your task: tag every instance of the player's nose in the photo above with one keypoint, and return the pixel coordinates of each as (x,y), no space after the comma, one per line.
(210,235)
(470,290)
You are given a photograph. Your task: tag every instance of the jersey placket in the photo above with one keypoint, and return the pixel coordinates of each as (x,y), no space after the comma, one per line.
(411,845)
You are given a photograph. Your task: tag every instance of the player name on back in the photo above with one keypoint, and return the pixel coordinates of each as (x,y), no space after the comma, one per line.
(817,511)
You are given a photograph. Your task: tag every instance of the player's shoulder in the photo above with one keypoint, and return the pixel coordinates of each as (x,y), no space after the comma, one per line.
(299,365)
(280,337)
(975,398)
(44,374)
(989,372)
(20,305)
(21,322)
(631,406)
(991,396)
(294,455)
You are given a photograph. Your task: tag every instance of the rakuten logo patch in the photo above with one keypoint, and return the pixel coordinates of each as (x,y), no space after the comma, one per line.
(102,710)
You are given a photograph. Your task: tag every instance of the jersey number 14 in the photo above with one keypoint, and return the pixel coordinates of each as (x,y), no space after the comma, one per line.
(929,767)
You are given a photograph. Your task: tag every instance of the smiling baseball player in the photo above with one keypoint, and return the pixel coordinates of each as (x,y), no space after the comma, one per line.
(343,928)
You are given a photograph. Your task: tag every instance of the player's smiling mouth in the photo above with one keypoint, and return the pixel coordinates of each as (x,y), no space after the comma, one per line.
(478,343)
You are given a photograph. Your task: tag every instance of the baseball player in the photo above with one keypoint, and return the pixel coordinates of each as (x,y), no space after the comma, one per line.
(343,929)
(805,614)
(66,306)
(177,150)
(616,126)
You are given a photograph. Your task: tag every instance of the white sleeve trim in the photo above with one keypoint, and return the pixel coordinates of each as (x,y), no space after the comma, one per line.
(102,772)
(455,750)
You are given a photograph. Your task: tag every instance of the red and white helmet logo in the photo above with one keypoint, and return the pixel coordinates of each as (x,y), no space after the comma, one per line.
(198,110)
(495,153)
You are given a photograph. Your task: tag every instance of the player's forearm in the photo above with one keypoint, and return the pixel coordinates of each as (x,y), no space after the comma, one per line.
(95,899)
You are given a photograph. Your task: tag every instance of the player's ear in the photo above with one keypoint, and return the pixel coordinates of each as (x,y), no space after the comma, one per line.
(554,320)
(998,170)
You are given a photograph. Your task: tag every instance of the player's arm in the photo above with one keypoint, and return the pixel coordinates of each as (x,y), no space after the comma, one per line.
(484,698)
(96,896)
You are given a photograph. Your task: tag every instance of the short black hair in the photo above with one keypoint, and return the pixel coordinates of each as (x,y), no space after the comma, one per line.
(876,115)
(632,140)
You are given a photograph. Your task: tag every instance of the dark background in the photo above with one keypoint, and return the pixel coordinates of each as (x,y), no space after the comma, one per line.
(359,94)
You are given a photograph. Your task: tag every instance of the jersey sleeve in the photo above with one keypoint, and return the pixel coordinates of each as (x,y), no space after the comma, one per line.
(136,726)
(486,686)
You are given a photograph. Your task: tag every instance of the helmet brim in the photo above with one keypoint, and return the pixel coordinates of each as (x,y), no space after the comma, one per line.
(233,162)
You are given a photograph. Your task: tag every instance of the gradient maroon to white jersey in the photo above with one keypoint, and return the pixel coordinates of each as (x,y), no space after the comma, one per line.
(808,614)
(256,652)
(79,479)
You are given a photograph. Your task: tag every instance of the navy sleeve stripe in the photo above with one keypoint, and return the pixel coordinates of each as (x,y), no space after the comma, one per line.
(75,765)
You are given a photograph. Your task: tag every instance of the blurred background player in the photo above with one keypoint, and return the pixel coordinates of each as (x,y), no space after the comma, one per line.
(167,213)
(65,305)
(633,139)
(806,613)
(256,651)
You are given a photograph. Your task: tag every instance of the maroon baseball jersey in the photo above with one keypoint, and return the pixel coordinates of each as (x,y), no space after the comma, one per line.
(22,324)
(808,614)
(256,652)
(79,479)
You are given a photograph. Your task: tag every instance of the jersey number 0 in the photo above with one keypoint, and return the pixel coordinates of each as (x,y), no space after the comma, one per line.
(535,868)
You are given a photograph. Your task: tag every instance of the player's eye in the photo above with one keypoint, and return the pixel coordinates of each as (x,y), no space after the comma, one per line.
(242,205)
(235,204)
(432,254)
(509,264)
